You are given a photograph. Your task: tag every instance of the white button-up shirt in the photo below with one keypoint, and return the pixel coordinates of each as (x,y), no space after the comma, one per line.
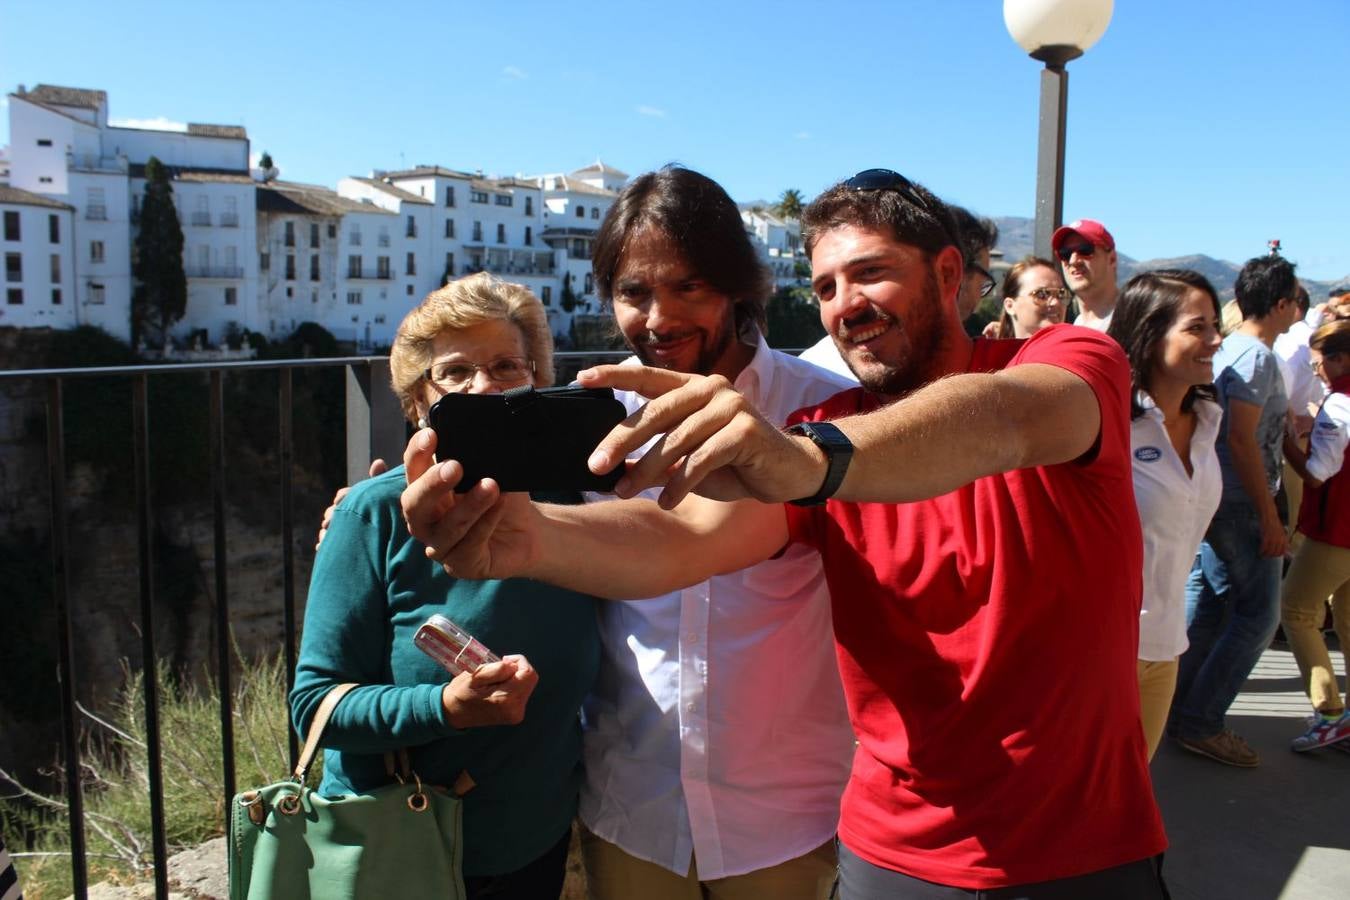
(1175,510)
(717,727)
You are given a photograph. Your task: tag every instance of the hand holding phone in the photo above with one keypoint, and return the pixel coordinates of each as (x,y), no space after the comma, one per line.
(527,439)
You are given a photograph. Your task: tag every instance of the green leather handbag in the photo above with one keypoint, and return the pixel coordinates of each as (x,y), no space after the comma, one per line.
(288,843)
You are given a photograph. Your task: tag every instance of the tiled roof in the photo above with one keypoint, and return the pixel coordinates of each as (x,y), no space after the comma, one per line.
(424,171)
(218,131)
(600,168)
(512,183)
(195,173)
(27,198)
(309,199)
(394,191)
(56,95)
(576,186)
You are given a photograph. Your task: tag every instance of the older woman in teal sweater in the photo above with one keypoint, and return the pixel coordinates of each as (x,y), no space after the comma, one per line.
(512,726)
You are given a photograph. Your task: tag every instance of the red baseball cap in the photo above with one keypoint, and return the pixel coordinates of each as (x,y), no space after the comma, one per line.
(1090,230)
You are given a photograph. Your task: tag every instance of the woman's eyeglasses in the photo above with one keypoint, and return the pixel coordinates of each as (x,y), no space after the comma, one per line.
(1043,296)
(456,373)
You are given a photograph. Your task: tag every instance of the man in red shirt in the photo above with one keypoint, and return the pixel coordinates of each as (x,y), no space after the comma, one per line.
(985,571)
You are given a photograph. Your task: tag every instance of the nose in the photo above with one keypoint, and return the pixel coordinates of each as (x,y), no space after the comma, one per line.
(480,383)
(664,310)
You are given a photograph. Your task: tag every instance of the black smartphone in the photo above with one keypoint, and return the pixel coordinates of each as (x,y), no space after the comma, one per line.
(527,439)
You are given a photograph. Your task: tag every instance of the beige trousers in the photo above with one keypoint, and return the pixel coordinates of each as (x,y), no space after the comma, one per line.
(615,875)
(1157,682)
(1319,571)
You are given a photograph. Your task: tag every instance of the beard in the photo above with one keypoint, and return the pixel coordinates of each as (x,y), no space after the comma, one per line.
(924,340)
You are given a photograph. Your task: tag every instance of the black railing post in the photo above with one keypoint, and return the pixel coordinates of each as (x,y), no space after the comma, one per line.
(145,529)
(224,652)
(288,546)
(65,671)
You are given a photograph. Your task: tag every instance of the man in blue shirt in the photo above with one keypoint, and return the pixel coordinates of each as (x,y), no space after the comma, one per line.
(1233,596)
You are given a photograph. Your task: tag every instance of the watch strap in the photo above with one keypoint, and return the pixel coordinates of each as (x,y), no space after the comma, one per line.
(838,451)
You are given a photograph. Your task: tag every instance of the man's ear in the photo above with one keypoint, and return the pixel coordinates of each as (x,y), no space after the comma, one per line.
(951,272)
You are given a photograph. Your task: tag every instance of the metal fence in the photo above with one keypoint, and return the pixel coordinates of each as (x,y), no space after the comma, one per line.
(374,427)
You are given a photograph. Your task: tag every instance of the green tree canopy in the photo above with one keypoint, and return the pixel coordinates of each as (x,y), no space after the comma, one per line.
(160,298)
(789,205)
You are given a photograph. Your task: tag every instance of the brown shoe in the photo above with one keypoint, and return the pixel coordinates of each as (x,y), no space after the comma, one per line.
(1224,747)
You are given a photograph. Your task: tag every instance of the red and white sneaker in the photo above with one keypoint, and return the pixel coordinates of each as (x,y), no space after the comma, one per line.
(1324,733)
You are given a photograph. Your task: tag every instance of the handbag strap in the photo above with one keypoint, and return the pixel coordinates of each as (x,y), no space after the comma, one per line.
(326,707)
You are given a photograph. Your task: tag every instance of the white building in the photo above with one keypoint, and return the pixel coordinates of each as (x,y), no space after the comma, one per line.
(35,239)
(779,242)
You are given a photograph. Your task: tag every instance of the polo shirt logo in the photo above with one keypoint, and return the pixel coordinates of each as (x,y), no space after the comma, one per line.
(1148,454)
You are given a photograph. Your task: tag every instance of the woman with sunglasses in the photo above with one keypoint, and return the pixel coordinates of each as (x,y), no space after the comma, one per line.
(1034,297)
(1168,324)
(1321,566)
(372,587)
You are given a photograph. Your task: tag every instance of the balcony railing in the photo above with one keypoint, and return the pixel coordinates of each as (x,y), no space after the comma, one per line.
(368,275)
(229,220)
(201,218)
(215,271)
(97,213)
(93,162)
(383,240)
(374,428)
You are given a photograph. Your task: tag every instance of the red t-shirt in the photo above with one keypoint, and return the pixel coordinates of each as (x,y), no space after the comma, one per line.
(986,640)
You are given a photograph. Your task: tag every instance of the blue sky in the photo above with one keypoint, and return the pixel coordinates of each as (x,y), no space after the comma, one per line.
(1200,126)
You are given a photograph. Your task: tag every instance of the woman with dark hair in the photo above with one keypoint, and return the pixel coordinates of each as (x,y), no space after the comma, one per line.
(1168,323)
(1034,297)
(1321,565)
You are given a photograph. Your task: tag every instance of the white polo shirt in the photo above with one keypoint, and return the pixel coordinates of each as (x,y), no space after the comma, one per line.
(1175,510)
(717,726)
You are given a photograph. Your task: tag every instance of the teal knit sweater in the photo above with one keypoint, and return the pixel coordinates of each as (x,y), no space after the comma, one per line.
(370,590)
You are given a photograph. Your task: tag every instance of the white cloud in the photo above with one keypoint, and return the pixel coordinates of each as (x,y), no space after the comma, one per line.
(515,73)
(158,123)
(803,135)
(652,111)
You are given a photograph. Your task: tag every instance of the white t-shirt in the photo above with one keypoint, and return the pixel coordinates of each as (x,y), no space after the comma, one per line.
(1175,510)
(825,354)
(1300,382)
(717,726)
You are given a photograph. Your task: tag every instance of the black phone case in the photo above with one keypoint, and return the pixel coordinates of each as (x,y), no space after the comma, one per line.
(528,439)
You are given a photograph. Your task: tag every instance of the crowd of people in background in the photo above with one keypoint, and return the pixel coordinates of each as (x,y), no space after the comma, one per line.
(1137,459)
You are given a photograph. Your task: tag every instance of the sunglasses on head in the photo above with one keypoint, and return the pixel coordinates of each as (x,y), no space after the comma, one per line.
(1084,250)
(888,180)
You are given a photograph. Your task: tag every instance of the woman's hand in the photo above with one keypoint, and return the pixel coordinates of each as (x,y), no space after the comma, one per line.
(494,695)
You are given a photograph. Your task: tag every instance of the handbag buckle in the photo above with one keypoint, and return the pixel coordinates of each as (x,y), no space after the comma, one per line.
(417,800)
(253,802)
(289,804)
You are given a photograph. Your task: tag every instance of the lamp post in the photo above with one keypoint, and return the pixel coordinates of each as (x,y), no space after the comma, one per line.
(1054,32)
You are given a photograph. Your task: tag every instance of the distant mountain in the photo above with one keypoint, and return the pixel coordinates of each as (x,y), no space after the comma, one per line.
(1015,240)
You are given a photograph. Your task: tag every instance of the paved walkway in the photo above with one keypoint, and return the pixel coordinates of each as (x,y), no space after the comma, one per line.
(1280,831)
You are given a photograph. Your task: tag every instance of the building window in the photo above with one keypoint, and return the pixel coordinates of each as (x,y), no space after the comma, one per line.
(478,231)
(332,229)
(44,179)
(264,261)
(204,260)
(96,294)
(14,296)
(232,262)
(314,267)
(501,234)
(314,234)
(412,227)
(381,267)
(412,264)
(478,196)
(354,238)
(410,290)
(202,214)
(11,225)
(230,217)
(581,212)
(13,267)
(595,212)
(353,298)
(546,295)
(54,229)
(289,238)
(96,206)
(503,199)
(290,267)
(590,284)
(449,228)
(231,296)
(56,296)
(529,206)
(529,237)
(449,267)
(56,268)
(450,195)
(44,142)
(382,239)
(354,267)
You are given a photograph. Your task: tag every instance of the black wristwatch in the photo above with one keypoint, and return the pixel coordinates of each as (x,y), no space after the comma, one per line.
(838,453)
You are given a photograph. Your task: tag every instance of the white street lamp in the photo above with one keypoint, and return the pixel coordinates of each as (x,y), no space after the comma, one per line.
(1054,32)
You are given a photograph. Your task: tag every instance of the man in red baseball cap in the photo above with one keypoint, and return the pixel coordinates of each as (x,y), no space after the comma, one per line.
(1087,252)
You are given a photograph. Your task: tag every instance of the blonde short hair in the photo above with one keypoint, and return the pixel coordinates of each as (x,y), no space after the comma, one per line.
(463,304)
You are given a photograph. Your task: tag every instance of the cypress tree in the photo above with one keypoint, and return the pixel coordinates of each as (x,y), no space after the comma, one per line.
(160,298)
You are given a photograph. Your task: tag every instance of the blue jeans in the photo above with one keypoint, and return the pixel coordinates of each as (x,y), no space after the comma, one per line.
(1232,611)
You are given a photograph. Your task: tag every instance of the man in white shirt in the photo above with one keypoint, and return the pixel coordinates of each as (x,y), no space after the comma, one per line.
(978,237)
(716,740)
(1304,389)
(1087,253)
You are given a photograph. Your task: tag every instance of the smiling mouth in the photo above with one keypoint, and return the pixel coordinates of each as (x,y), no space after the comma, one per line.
(866,326)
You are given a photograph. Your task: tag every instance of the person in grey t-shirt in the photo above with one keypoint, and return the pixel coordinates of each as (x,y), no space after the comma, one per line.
(1233,594)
